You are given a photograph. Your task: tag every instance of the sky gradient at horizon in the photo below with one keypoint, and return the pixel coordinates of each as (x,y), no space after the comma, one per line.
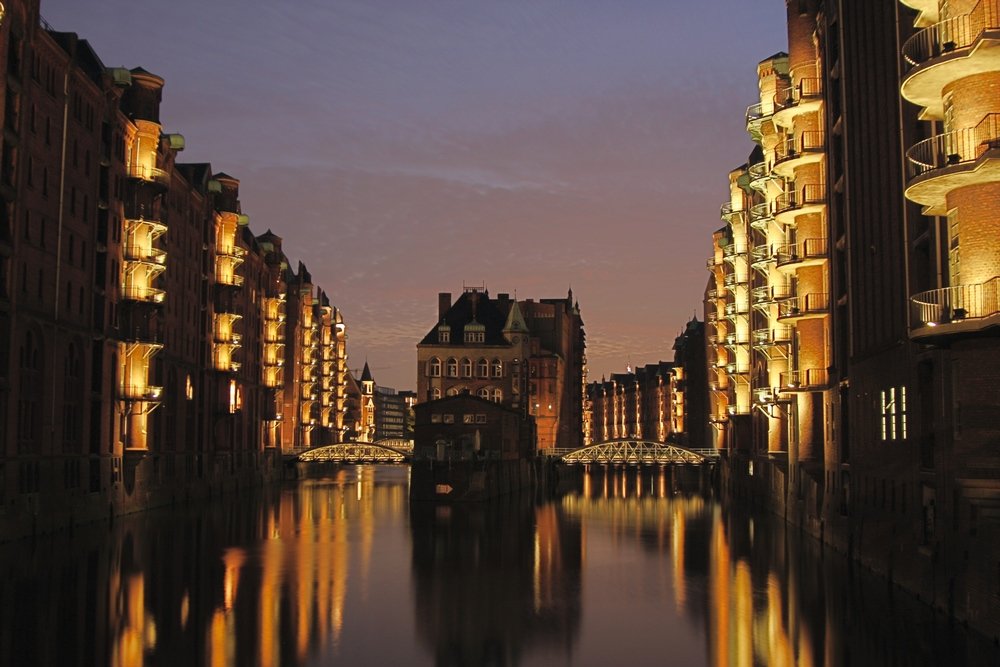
(402,148)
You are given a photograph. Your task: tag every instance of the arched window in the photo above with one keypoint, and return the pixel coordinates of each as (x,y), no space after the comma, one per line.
(466,368)
(434,367)
(452,391)
(483,368)
(497,395)
(452,368)
(497,368)
(483,393)
(435,393)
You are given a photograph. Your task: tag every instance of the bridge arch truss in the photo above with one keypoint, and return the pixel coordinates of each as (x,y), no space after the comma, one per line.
(356,452)
(626,451)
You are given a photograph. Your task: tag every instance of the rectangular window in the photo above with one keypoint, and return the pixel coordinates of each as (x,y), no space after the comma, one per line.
(468,419)
(894,416)
(435,419)
(448,419)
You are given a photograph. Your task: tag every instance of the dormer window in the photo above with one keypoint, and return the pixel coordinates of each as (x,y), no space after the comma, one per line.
(475,332)
(444,333)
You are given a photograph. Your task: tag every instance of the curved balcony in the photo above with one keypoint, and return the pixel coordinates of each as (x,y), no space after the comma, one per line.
(737,368)
(145,255)
(733,251)
(809,379)
(950,50)
(729,212)
(761,256)
(760,216)
(953,160)
(734,340)
(228,279)
(711,263)
(808,252)
(809,198)
(756,116)
(771,336)
(805,306)
(962,309)
(768,294)
(234,251)
(927,11)
(760,174)
(803,97)
(229,338)
(150,175)
(736,310)
(734,280)
(792,153)
(140,392)
(154,228)
(143,293)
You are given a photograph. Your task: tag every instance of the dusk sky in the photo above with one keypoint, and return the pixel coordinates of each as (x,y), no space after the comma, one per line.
(403,147)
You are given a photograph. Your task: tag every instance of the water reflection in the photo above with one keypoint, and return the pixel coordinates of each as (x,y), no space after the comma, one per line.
(628,567)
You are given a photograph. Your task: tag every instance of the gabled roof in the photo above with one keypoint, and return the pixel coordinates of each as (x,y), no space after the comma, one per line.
(469,307)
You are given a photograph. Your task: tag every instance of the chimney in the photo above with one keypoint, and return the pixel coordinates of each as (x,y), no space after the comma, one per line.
(444,303)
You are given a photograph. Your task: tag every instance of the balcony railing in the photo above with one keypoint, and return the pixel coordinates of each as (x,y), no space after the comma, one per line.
(735,368)
(733,309)
(759,171)
(959,305)
(807,249)
(141,392)
(811,141)
(808,88)
(727,210)
(809,194)
(804,380)
(146,294)
(951,35)
(230,279)
(760,215)
(149,174)
(233,251)
(734,339)
(138,253)
(771,293)
(806,304)
(954,148)
(762,254)
(733,250)
(779,335)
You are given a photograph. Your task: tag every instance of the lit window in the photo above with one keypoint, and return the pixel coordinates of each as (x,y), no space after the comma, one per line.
(435,393)
(894,414)
(452,368)
(497,368)
(448,419)
(496,395)
(468,419)
(483,393)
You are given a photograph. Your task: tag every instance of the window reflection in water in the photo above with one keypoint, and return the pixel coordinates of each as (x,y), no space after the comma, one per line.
(342,570)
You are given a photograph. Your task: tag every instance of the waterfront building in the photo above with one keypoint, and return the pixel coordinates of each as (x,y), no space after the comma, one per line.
(637,404)
(526,355)
(138,365)
(392,410)
(867,414)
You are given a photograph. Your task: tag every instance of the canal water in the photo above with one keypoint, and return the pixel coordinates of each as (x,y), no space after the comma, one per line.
(625,568)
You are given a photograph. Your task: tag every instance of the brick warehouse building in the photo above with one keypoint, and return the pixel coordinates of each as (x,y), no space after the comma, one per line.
(527,355)
(853,308)
(139,365)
